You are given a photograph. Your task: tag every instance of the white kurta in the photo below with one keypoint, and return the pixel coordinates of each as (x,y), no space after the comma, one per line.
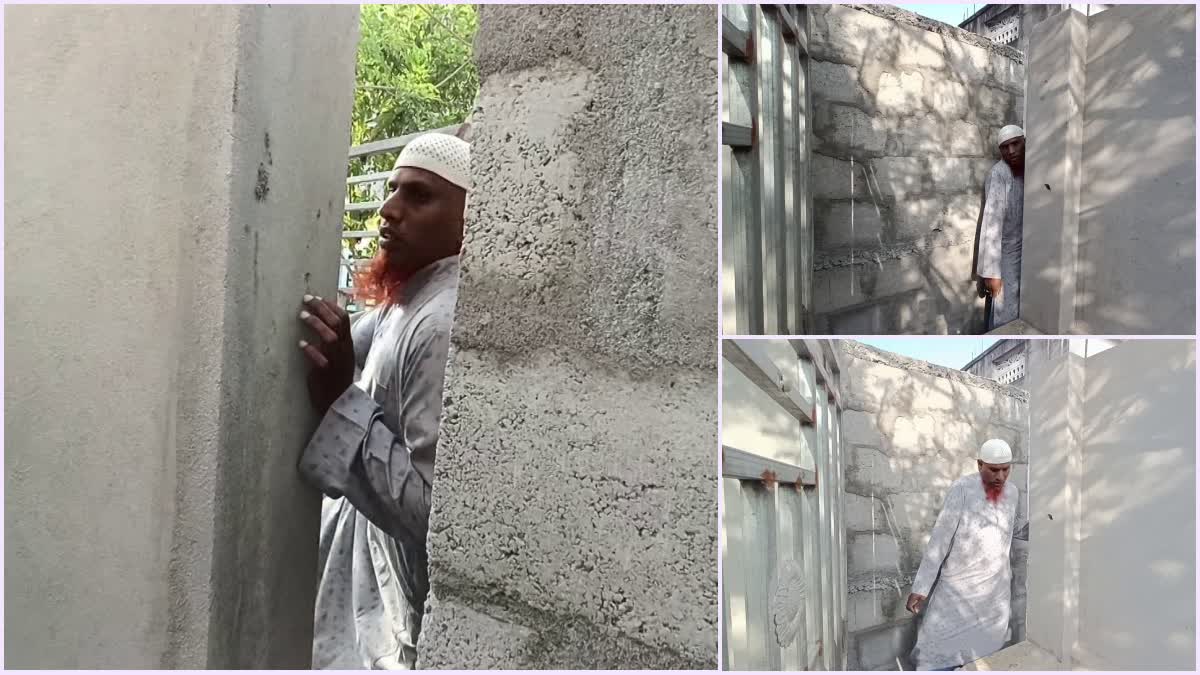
(1000,239)
(967,615)
(373,457)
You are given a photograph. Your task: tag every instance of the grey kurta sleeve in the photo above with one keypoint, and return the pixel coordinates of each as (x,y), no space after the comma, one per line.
(1021,528)
(991,231)
(385,473)
(362,330)
(939,542)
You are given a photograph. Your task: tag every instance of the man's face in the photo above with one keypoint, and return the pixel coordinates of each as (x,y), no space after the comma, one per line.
(994,475)
(422,219)
(1013,152)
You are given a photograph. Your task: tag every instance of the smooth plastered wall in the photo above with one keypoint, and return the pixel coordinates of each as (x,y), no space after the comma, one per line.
(167,215)
(906,112)
(910,430)
(1110,239)
(1112,440)
(574,520)
(1138,219)
(1137,584)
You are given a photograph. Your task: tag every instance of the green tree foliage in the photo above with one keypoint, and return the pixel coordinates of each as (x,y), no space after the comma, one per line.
(415,72)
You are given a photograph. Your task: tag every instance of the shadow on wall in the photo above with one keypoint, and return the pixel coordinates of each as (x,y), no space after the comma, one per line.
(1137,248)
(1136,503)
(904,126)
(1053,422)
(912,434)
(1139,471)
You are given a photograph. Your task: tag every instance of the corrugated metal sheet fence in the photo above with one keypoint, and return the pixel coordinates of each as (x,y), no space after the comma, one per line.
(783,543)
(767,234)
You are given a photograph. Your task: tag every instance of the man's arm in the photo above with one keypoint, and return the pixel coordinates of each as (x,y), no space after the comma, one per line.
(362,329)
(939,543)
(386,473)
(992,228)
(1021,528)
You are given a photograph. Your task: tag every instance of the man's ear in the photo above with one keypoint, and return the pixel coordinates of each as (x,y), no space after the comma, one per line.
(464,131)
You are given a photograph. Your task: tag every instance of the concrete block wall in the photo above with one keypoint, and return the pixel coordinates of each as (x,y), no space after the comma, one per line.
(574,508)
(164,216)
(1109,243)
(906,112)
(910,429)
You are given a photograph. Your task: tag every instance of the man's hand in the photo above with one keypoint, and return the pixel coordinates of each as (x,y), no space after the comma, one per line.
(993,286)
(332,356)
(915,603)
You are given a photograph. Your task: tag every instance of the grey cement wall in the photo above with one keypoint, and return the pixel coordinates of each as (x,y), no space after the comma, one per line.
(906,112)
(1138,222)
(574,515)
(1108,242)
(910,430)
(1056,376)
(1112,437)
(1054,138)
(164,215)
(1139,476)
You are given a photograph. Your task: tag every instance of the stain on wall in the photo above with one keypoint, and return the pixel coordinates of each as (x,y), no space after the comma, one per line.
(155,517)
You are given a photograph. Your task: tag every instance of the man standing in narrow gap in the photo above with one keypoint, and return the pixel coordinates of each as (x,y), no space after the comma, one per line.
(968,615)
(998,268)
(373,453)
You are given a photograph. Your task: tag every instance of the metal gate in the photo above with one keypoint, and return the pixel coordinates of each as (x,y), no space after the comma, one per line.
(783,545)
(766,210)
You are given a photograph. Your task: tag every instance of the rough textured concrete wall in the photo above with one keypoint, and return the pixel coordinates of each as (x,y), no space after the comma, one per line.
(906,112)
(910,430)
(154,515)
(1137,587)
(1138,219)
(574,516)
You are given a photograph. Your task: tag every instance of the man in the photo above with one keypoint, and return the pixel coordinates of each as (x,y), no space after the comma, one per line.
(998,266)
(967,616)
(373,453)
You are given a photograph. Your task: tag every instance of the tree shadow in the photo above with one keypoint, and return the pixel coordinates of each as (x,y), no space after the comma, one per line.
(926,423)
(1136,239)
(918,234)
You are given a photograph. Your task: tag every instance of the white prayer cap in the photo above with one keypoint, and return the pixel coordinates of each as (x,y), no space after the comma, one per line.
(995,451)
(440,154)
(1010,132)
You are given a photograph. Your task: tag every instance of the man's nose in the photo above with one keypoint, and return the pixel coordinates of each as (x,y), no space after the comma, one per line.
(391,210)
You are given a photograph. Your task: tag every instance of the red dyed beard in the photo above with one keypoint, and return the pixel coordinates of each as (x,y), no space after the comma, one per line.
(993,493)
(381,282)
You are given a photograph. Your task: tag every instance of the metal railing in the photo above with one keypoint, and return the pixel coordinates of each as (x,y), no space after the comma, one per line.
(767,232)
(348,264)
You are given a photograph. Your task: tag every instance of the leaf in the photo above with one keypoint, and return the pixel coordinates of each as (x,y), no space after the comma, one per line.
(415,69)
